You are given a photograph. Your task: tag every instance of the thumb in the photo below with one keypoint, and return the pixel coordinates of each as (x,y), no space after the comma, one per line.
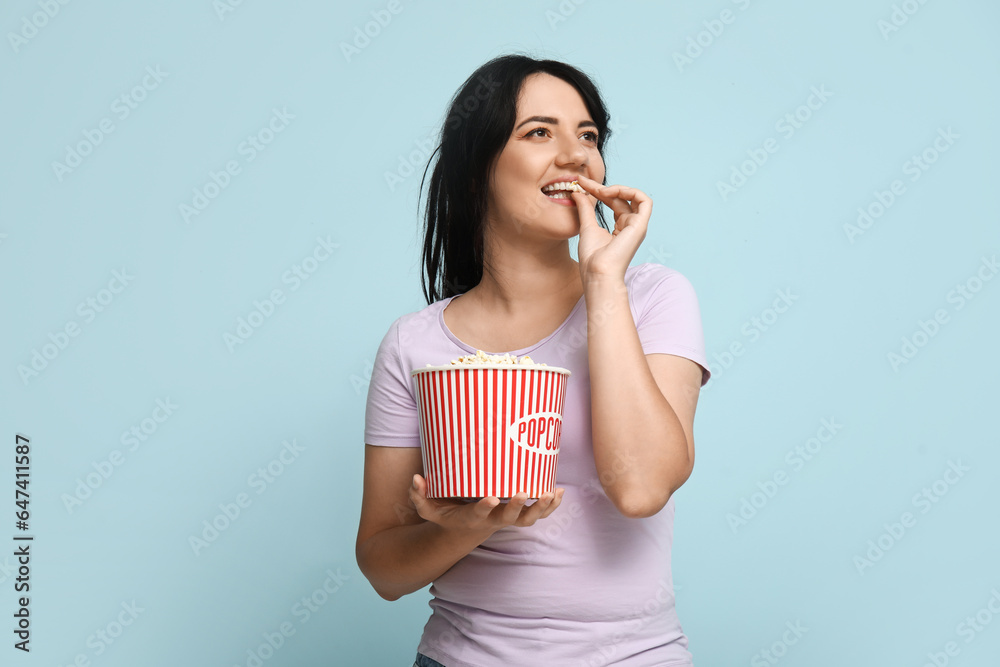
(418,492)
(584,209)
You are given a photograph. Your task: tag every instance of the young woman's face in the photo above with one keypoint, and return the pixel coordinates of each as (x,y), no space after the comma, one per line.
(554,139)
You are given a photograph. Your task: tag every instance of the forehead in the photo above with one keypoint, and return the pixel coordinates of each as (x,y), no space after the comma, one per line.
(546,95)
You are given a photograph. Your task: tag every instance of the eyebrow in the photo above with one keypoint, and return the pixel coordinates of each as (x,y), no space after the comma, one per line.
(553,121)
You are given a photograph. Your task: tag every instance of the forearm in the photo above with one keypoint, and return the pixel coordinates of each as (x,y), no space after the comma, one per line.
(640,448)
(404,559)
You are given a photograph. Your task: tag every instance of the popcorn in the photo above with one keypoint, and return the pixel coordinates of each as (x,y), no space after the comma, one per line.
(516,450)
(481,357)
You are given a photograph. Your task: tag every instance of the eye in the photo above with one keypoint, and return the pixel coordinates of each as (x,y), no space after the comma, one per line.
(591,136)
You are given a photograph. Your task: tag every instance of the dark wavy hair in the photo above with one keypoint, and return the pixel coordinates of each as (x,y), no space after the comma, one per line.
(480,120)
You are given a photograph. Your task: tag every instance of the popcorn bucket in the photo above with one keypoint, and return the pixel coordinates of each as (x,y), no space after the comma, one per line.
(490,429)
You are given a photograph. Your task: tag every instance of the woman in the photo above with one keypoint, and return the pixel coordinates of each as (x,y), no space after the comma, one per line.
(581,576)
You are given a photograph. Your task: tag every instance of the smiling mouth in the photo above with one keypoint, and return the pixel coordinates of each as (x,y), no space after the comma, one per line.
(562,190)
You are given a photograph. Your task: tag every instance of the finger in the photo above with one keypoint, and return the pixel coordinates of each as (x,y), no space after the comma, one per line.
(418,486)
(418,495)
(625,192)
(589,184)
(645,208)
(591,187)
(641,203)
(556,501)
(420,483)
(532,513)
(485,506)
(426,507)
(585,209)
(514,507)
(623,199)
(609,194)
(597,192)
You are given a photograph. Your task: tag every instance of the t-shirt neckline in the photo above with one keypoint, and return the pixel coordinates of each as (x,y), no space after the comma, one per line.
(523,350)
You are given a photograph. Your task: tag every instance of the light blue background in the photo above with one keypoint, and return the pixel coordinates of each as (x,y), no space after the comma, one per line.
(302,375)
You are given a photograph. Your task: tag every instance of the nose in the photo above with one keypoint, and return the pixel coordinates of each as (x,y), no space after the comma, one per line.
(571,151)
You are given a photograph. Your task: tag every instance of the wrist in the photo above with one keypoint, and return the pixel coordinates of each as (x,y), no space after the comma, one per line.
(603,284)
(469,537)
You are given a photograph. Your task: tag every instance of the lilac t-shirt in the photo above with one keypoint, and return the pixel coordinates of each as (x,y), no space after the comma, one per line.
(586,585)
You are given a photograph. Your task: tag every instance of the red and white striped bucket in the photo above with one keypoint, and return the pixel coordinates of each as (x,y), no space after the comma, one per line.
(490,429)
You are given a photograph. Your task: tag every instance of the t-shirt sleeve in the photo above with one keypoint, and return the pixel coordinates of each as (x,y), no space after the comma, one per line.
(391,410)
(668,316)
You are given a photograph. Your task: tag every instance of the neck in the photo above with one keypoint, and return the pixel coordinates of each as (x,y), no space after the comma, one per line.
(528,278)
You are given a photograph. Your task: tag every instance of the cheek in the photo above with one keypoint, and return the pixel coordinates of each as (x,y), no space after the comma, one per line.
(599,169)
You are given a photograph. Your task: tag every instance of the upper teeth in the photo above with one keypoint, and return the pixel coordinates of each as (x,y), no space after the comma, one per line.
(572,186)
